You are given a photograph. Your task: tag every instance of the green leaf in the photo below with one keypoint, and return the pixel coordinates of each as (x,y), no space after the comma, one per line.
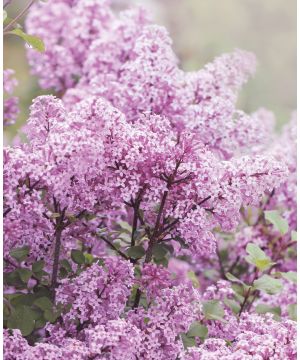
(50,315)
(277,220)
(159,251)
(164,262)
(194,279)
(233,305)
(88,258)
(40,323)
(13,279)
(22,318)
(43,303)
(187,341)
(268,284)
(257,257)
(20,254)
(213,310)
(125,226)
(294,235)
(290,276)
(238,289)
(263,309)
(31,40)
(22,299)
(197,329)
(136,252)
(4,15)
(66,265)
(292,311)
(38,266)
(24,274)
(146,320)
(78,257)
(40,274)
(233,278)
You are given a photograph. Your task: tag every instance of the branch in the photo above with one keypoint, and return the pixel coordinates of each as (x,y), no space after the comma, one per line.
(8,27)
(114,247)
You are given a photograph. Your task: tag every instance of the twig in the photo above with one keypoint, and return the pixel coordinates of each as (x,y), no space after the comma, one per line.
(8,27)
(114,247)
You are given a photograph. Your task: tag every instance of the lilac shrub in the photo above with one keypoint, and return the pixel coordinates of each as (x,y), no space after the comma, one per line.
(146,217)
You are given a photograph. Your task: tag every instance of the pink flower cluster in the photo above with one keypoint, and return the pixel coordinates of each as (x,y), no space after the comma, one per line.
(140,187)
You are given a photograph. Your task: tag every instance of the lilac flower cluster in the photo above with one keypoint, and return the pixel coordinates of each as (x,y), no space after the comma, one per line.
(129,212)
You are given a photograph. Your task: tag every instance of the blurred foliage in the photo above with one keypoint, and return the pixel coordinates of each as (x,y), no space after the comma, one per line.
(201,30)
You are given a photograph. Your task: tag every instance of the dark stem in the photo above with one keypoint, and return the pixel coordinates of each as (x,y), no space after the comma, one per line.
(248,293)
(153,239)
(114,247)
(245,301)
(58,234)
(7,211)
(137,299)
(134,223)
(222,270)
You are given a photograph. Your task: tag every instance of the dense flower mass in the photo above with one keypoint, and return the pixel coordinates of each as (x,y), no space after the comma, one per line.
(146,217)
(10,105)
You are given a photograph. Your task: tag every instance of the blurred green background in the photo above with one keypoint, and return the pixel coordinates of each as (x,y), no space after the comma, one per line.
(201,30)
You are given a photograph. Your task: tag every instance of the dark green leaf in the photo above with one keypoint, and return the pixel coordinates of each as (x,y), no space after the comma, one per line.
(50,315)
(20,254)
(40,323)
(136,252)
(23,299)
(24,274)
(43,303)
(159,251)
(38,266)
(13,279)
(66,265)
(78,257)
(22,318)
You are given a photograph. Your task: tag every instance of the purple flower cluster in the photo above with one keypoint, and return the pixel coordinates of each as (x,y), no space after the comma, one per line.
(129,212)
